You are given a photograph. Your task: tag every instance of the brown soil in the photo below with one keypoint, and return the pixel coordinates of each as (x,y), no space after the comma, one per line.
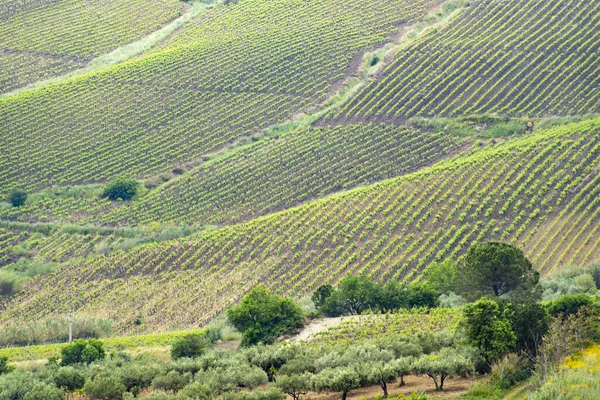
(453,388)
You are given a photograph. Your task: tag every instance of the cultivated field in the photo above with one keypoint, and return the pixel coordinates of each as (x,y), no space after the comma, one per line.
(520,58)
(539,192)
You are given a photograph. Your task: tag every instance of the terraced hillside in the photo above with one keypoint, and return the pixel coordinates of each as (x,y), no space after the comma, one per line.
(520,58)
(265,177)
(45,38)
(234,71)
(540,192)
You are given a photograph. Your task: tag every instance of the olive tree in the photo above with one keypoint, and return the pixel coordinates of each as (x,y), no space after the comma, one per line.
(295,385)
(448,363)
(341,379)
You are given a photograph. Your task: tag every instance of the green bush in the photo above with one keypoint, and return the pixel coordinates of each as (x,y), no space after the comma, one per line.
(4,367)
(44,391)
(262,317)
(104,388)
(570,304)
(172,381)
(82,351)
(191,345)
(121,189)
(69,379)
(17,197)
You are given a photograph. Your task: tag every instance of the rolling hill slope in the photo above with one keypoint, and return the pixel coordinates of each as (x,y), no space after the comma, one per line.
(267,176)
(234,71)
(540,192)
(45,38)
(520,58)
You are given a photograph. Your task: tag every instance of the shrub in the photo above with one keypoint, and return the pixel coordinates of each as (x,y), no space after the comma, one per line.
(82,351)
(570,304)
(104,388)
(190,345)
(4,367)
(173,381)
(8,281)
(196,391)
(262,317)
(17,197)
(510,370)
(121,189)
(43,391)
(69,379)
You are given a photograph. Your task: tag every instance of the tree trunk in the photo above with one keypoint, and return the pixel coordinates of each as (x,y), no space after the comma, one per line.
(402,383)
(344,395)
(443,378)
(495,288)
(384,388)
(437,385)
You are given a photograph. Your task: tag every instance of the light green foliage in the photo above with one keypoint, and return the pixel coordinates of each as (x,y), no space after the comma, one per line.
(495,269)
(172,381)
(458,69)
(192,345)
(44,391)
(262,316)
(68,378)
(295,385)
(104,388)
(441,276)
(488,329)
(448,363)
(341,379)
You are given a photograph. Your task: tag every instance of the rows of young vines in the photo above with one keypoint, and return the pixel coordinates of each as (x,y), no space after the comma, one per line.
(44,38)
(539,192)
(277,174)
(401,322)
(268,176)
(520,58)
(235,70)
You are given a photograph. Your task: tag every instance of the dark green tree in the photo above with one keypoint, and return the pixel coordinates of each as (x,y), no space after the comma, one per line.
(4,367)
(488,329)
(353,295)
(262,317)
(17,197)
(321,295)
(104,388)
(529,321)
(190,345)
(69,379)
(121,189)
(495,269)
(82,351)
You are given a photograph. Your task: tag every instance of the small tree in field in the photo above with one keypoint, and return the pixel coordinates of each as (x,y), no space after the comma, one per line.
(262,317)
(450,362)
(488,329)
(295,385)
(190,345)
(495,269)
(341,379)
(121,189)
(17,197)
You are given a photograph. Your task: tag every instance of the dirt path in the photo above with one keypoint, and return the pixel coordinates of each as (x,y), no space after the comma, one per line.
(317,325)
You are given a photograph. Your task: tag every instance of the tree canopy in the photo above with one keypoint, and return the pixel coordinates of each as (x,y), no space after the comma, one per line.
(495,269)
(262,317)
